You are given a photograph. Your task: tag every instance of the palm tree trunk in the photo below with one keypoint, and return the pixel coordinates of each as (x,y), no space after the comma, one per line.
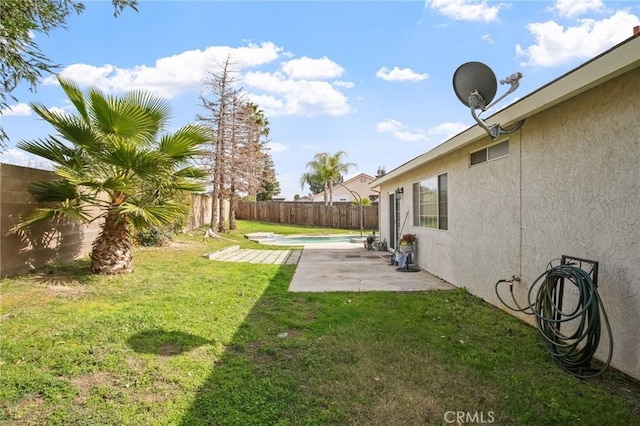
(326,201)
(331,192)
(112,251)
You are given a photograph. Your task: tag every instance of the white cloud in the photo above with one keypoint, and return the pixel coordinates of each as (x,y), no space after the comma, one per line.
(572,8)
(388,125)
(18,157)
(277,147)
(400,131)
(397,74)
(307,68)
(296,89)
(173,74)
(266,102)
(410,136)
(345,84)
(20,109)
(58,110)
(441,132)
(298,97)
(24,110)
(556,44)
(466,10)
(447,130)
(487,38)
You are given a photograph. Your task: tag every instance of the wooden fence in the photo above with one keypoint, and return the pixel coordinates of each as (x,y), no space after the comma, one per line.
(340,215)
(201,211)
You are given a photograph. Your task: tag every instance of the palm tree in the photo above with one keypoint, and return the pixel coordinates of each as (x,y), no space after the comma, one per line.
(319,172)
(112,156)
(325,169)
(336,169)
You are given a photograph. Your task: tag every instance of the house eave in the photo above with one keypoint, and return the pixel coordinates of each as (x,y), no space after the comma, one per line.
(606,66)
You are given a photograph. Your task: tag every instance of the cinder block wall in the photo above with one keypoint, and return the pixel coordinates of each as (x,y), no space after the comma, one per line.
(23,251)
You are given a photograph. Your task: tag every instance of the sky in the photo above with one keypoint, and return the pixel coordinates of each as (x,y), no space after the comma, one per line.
(373,79)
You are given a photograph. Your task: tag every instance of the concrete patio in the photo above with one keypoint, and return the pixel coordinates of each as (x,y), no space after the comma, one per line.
(337,267)
(357,270)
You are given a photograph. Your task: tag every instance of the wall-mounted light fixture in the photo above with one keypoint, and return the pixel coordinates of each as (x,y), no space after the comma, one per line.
(399,192)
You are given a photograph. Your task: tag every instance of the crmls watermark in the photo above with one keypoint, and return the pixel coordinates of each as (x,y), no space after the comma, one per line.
(468,417)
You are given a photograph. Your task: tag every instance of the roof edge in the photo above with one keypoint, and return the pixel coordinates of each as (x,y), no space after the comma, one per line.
(611,63)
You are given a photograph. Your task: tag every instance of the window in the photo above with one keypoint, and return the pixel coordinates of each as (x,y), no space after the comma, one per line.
(442,202)
(430,203)
(489,153)
(478,157)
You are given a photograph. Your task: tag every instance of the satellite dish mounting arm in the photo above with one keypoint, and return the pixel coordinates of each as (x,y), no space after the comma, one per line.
(514,81)
(476,101)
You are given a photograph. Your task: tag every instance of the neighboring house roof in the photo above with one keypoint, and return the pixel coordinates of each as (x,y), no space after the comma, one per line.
(606,66)
(349,184)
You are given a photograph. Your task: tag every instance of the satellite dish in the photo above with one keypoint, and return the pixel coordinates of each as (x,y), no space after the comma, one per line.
(475,85)
(475,76)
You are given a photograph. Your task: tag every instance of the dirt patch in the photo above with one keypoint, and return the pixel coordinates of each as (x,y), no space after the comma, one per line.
(169,349)
(136,364)
(159,392)
(87,382)
(65,290)
(26,411)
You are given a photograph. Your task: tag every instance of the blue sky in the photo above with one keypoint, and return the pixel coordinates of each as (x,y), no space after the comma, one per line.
(371,78)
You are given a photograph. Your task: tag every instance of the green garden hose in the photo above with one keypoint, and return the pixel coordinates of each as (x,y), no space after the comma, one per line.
(573,350)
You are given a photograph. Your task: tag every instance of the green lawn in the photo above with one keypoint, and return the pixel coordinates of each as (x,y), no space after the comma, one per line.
(187,341)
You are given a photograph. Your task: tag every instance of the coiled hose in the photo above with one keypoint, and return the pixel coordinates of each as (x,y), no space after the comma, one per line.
(572,350)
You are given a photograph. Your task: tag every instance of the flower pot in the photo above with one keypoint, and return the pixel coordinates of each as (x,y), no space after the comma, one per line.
(406,247)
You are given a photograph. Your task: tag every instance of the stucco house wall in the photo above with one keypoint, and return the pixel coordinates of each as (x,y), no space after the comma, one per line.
(586,201)
(482,238)
(569,186)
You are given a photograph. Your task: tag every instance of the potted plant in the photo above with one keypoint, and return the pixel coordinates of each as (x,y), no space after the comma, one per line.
(407,242)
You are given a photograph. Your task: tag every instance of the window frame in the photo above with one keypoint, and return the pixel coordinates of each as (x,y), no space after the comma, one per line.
(487,151)
(441,202)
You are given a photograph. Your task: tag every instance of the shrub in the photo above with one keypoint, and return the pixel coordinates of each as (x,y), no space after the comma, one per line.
(153,237)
